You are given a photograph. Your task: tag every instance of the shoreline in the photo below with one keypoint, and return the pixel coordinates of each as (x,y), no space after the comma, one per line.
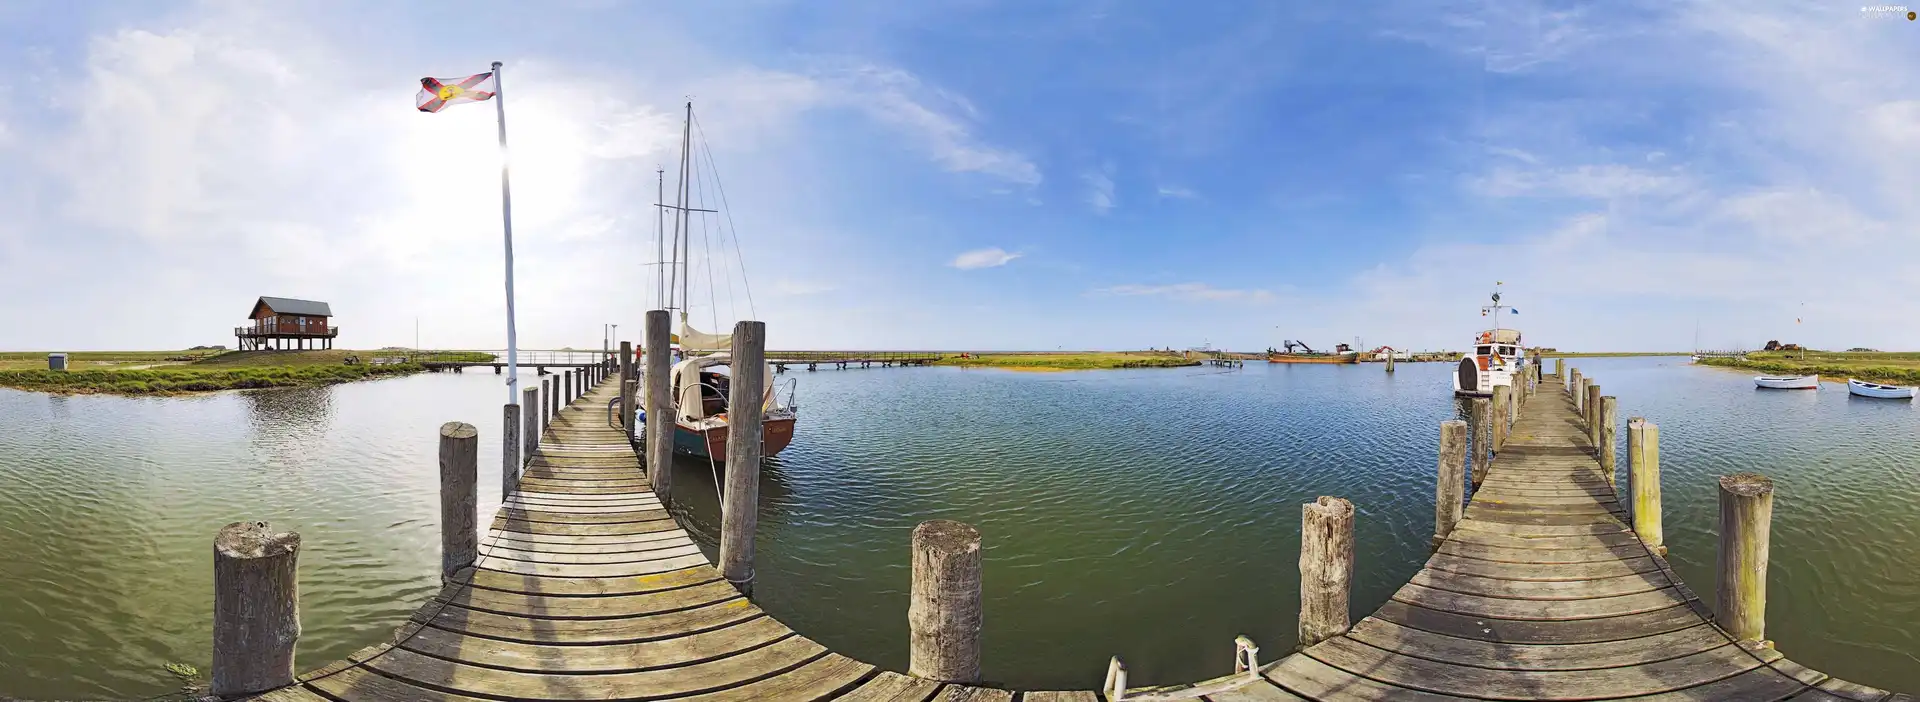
(1828,372)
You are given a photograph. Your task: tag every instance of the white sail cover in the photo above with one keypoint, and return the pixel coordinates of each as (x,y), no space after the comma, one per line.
(686,380)
(695,340)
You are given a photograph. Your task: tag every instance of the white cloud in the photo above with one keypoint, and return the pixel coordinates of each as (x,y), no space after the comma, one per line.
(1177,191)
(1099,190)
(898,98)
(1600,182)
(990,257)
(1193,292)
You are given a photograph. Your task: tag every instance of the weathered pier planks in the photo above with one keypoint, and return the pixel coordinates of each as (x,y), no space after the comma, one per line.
(585,587)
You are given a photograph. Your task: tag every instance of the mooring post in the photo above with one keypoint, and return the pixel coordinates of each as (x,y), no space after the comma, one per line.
(1560,368)
(1450,487)
(1609,461)
(1574,388)
(739,515)
(1593,415)
(627,402)
(1326,568)
(1746,526)
(943,610)
(1389,360)
(510,450)
(256,608)
(459,475)
(659,396)
(546,400)
(1502,409)
(1643,482)
(530,415)
(1480,410)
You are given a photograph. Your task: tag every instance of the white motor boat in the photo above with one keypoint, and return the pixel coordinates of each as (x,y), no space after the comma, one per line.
(1885,392)
(1787,382)
(1498,357)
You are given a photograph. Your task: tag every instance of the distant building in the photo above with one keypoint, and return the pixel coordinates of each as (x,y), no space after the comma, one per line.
(286,323)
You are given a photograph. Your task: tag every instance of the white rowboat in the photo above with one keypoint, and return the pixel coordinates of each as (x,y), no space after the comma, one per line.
(1788,382)
(1887,392)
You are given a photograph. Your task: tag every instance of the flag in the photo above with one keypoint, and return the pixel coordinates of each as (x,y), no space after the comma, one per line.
(1515,310)
(436,94)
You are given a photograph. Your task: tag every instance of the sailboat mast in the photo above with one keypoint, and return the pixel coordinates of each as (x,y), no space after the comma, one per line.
(686,162)
(659,238)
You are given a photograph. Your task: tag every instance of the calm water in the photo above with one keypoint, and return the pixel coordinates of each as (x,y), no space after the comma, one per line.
(1151,514)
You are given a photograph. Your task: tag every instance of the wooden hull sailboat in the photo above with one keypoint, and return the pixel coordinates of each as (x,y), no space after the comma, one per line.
(701,392)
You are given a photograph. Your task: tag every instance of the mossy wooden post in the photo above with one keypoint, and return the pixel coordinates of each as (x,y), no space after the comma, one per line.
(659,396)
(1575,389)
(1593,416)
(1609,461)
(740,504)
(1643,482)
(943,606)
(530,416)
(627,401)
(1560,368)
(1502,411)
(1389,360)
(1746,526)
(256,608)
(1326,569)
(1450,485)
(1480,413)
(510,450)
(459,495)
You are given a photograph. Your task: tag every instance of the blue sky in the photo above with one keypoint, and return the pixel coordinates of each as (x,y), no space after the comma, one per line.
(973,174)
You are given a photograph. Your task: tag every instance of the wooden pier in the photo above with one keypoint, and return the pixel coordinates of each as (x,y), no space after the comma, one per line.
(1541,586)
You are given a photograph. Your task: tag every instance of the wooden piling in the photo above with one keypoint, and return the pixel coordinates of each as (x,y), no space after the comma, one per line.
(659,396)
(944,611)
(627,401)
(1593,415)
(1450,486)
(1643,482)
(510,450)
(1746,526)
(739,515)
(1574,388)
(1480,412)
(530,417)
(1502,415)
(1608,460)
(256,608)
(1389,360)
(546,400)
(1560,368)
(459,473)
(1326,569)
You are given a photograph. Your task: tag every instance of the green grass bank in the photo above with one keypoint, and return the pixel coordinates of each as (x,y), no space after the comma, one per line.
(1878,367)
(1053,361)
(176,372)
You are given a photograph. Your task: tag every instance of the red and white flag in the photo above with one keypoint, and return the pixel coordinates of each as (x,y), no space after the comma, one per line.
(436,93)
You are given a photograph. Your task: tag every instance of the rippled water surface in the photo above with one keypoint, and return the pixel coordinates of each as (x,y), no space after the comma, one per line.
(1152,514)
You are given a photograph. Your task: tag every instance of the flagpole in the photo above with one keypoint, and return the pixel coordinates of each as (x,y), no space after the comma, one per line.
(506,224)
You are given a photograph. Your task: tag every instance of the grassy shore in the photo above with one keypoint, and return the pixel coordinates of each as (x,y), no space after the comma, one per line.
(1078,360)
(176,372)
(1877,367)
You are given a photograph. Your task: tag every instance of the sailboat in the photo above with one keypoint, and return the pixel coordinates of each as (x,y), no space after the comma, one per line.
(701,391)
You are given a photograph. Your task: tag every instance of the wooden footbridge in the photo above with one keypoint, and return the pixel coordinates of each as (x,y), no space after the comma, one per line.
(1541,586)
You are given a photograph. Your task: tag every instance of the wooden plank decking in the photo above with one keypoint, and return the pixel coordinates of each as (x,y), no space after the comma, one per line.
(587,589)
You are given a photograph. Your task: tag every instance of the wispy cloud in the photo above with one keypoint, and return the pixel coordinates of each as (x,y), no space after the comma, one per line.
(1099,189)
(898,98)
(1598,182)
(1193,292)
(1177,192)
(990,257)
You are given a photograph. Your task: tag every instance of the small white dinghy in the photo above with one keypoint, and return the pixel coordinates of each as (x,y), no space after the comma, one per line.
(1886,392)
(1788,382)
